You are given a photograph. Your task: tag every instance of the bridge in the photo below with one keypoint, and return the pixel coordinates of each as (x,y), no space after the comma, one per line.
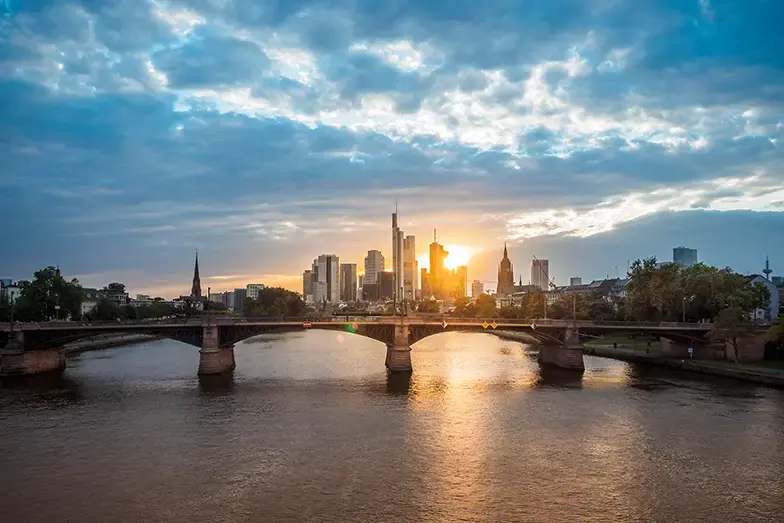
(37,347)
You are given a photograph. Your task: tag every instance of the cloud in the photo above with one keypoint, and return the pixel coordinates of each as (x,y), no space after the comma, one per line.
(275,130)
(207,59)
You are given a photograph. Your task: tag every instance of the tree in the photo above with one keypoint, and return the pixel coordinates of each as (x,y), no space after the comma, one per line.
(428,306)
(40,297)
(776,331)
(485,306)
(105,310)
(731,325)
(760,297)
(464,308)
(274,301)
(5,308)
(115,287)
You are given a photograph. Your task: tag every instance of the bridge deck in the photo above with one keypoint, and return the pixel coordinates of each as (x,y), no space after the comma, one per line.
(410,321)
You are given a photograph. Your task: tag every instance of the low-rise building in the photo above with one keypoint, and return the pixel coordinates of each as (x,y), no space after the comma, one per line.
(766,315)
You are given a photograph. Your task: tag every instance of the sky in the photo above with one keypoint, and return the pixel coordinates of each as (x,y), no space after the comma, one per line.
(265,133)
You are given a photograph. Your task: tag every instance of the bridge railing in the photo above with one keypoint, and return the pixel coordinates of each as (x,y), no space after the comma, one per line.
(435,318)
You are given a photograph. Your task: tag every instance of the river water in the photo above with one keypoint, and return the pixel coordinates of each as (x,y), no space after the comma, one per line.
(310,428)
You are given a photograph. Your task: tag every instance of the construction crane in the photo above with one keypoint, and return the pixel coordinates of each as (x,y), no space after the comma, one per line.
(550,281)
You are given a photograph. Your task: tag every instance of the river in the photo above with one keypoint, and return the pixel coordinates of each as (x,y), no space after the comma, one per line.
(310,428)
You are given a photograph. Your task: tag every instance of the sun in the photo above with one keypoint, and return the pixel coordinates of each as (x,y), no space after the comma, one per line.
(458,255)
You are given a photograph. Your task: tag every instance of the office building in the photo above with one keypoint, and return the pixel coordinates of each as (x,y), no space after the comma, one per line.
(575,280)
(397,259)
(374,264)
(540,274)
(386,285)
(684,256)
(439,282)
(477,288)
(307,286)
(410,269)
(348,282)
(326,279)
(239,299)
(505,276)
(253,290)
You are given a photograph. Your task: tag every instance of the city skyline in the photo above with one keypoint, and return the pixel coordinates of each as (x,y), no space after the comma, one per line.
(136,135)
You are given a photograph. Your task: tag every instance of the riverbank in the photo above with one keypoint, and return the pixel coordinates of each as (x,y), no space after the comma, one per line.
(106,341)
(754,373)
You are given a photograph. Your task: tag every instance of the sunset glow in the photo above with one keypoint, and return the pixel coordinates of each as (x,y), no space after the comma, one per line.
(458,255)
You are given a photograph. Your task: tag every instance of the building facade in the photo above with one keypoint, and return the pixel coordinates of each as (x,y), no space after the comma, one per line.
(505,276)
(386,286)
(684,256)
(239,299)
(575,280)
(348,282)
(477,288)
(397,259)
(326,279)
(307,286)
(410,269)
(540,274)
(766,315)
(374,265)
(439,282)
(252,290)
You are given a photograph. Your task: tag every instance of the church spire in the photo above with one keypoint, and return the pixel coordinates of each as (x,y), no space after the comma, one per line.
(505,254)
(196,289)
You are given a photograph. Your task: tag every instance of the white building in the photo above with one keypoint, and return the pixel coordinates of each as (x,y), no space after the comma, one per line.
(326,278)
(252,290)
(767,314)
(374,265)
(10,292)
(540,274)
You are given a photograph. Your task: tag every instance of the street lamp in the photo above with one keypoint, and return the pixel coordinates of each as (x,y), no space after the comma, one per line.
(684,309)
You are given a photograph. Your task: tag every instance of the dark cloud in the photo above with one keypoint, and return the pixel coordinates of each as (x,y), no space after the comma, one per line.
(211,60)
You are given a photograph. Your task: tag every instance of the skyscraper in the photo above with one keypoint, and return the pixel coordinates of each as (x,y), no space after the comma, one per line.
(684,256)
(410,269)
(477,288)
(307,286)
(326,279)
(440,282)
(505,276)
(397,259)
(374,264)
(540,274)
(348,281)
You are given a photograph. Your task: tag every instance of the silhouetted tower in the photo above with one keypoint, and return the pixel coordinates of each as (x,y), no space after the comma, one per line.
(505,275)
(767,271)
(196,289)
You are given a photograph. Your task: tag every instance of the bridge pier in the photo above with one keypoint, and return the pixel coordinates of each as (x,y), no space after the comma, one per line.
(568,355)
(399,352)
(214,359)
(16,361)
